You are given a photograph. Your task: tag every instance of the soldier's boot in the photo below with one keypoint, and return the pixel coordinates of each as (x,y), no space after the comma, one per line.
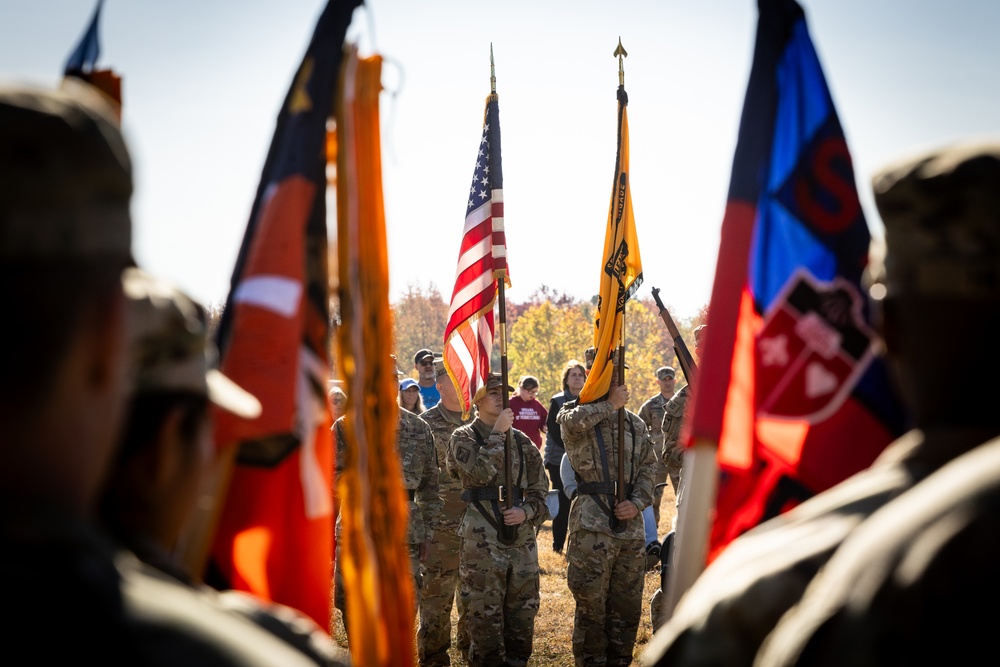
(656,614)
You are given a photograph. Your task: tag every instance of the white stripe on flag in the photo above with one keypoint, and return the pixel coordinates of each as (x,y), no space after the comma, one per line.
(279,294)
(474,254)
(477,216)
(471,290)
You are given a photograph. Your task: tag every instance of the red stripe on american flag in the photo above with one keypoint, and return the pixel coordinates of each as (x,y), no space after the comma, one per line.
(470,274)
(475,235)
(469,309)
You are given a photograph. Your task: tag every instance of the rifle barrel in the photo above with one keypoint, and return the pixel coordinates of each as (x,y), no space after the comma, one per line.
(684,358)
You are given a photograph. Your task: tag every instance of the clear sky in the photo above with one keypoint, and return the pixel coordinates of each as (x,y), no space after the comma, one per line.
(203,81)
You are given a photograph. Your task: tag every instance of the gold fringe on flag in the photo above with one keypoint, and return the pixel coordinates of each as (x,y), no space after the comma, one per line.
(373,555)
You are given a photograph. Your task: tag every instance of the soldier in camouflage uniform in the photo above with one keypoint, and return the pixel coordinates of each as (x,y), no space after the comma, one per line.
(673,418)
(673,456)
(415,445)
(440,568)
(606,568)
(151,490)
(873,593)
(651,412)
(65,238)
(500,582)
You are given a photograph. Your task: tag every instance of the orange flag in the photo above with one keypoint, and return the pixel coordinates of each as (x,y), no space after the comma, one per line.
(375,564)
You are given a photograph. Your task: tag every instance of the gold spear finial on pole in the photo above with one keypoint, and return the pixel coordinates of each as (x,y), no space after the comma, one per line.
(621,53)
(493,73)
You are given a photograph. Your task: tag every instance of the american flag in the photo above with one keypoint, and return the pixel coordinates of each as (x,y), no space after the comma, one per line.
(468,337)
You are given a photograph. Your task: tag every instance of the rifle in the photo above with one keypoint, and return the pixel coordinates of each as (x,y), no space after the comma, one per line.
(684,357)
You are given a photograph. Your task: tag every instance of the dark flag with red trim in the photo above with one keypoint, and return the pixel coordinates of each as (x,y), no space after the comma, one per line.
(275,533)
(792,391)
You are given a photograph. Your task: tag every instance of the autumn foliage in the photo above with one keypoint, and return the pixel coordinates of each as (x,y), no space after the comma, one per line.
(544,332)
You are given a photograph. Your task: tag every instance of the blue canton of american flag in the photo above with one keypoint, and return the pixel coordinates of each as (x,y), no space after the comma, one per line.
(468,337)
(487,185)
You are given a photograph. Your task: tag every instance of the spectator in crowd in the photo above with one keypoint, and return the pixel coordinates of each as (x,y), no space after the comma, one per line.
(573,377)
(338,402)
(885,529)
(423,363)
(409,396)
(529,415)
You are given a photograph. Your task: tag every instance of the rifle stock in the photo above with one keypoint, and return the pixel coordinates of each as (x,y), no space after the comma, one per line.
(684,358)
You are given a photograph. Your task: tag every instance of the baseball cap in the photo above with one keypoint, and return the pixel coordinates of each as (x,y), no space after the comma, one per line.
(941,211)
(171,351)
(407,383)
(664,372)
(65,176)
(422,354)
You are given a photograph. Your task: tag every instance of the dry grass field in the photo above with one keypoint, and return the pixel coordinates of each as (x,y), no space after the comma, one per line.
(554,623)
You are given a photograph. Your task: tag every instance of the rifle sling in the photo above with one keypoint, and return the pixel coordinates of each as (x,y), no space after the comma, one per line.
(608,486)
(492,493)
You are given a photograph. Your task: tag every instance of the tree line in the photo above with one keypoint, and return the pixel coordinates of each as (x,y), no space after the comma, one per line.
(544,332)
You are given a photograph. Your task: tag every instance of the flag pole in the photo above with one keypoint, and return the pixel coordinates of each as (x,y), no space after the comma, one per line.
(506,534)
(618,525)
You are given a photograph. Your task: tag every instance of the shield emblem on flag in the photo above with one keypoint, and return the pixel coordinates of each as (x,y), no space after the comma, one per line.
(812,349)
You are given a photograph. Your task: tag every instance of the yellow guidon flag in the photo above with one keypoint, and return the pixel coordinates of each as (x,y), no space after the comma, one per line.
(621,271)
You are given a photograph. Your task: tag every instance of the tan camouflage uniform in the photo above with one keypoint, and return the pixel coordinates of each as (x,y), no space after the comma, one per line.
(606,569)
(420,478)
(651,412)
(500,585)
(672,453)
(440,569)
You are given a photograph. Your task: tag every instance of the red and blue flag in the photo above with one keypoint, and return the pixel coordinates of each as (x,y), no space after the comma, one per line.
(82,63)
(792,390)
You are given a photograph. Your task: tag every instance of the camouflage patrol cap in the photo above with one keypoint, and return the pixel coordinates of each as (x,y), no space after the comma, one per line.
(439,368)
(171,350)
(589,355)
(494,381)
(664,372)
(65,176)
(941,211)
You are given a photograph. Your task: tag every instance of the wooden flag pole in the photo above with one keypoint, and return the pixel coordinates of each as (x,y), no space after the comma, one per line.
(617,525)
(506,534)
